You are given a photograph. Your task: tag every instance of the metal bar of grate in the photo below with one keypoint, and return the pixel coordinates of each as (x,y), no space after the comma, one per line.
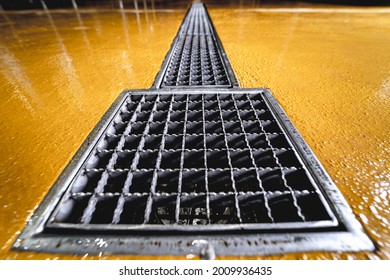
(196,58)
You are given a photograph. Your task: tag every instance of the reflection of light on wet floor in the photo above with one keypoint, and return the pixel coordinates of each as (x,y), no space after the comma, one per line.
(322,10)
(384,91)
(17,78)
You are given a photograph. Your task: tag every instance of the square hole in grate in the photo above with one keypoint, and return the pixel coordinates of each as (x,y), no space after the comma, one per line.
(147,106)
(160,116)
(152,142)
(99,160)
(282,208)
(271,127)
(213,127)
(143,116)
(223,209)
(193,210)
(230,116)
(212,116)
(265,158)
(147,160)
(195,106)
(247,115)
(179,106)
(241,159)
(163,106)
(138,127)
(177,116)
(124,116)
(211,106)
(194,159)
(227,106)
(253,209)
(232,127)
(175,128)
(246,180)
(156,128)
(194,116)
(272,180)
(124,160)
(116,181)
(167,182)
(117,128)
(215,142)
(194,142)
(264,115)
(171,160)
(104,211)
(236,142)
(72,210)
(219,181)
(163,210)
(108,142)
(312,207)
(86,181)
(193,181)
(140,181)
(194,128)
(298,180)
(243,104)
(132,142)
(174,142)
(217,159)
(133,210)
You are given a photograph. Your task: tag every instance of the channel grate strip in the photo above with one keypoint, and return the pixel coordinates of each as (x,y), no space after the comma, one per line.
(196,58)
(227,162)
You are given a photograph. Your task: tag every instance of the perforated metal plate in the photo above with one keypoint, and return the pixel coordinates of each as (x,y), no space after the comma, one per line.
(215,166)
(196,58)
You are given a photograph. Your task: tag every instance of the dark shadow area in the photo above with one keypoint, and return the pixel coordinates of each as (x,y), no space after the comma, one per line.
(160,4)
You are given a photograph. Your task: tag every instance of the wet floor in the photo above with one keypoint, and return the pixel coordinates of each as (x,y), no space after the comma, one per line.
(329,68)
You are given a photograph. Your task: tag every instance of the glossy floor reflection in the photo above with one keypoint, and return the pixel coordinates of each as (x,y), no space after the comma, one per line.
(328,68)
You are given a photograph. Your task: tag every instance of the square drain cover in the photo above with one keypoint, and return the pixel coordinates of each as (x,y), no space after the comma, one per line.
(168,171)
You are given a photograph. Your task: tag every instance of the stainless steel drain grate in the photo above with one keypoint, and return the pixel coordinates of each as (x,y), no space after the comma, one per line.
(177,172)
(192,160)
(194,165)
(196,57)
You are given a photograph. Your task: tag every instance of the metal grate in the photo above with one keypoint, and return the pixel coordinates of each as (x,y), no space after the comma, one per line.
(193,160)
(196,57)
(224,164)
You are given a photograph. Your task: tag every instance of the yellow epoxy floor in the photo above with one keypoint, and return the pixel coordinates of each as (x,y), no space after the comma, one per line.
(329,69)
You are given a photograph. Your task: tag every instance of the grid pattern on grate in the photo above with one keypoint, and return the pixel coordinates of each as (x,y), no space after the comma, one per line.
(196,58)
(192,159)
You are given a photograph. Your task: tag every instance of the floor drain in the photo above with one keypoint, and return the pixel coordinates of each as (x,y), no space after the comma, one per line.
(170,168)
(196,57)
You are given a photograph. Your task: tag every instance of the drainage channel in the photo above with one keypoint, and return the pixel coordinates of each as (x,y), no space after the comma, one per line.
(193,165)
(196,57)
